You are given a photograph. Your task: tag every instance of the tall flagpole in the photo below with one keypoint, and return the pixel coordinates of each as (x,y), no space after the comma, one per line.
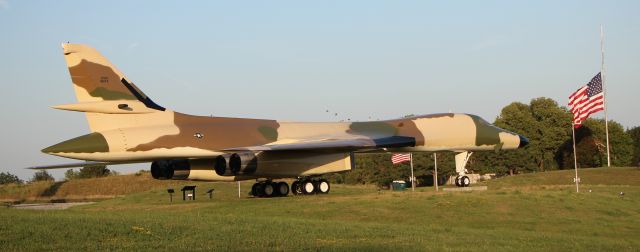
(575,158)
(604,90)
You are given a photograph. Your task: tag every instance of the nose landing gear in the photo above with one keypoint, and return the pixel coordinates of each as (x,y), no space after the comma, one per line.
(461,161)
(463,181)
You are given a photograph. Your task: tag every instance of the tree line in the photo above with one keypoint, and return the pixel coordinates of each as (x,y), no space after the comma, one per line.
(543,121)
(43,175)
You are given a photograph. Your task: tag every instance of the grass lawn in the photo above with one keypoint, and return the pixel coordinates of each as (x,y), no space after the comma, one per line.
(532,212)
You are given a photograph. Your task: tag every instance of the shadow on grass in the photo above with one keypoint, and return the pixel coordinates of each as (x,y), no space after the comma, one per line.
(51,190)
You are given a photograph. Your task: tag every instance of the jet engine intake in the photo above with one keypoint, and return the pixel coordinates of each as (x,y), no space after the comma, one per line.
(177,169)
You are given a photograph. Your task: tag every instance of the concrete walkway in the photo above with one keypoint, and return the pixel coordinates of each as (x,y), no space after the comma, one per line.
(465,189)
(50,206)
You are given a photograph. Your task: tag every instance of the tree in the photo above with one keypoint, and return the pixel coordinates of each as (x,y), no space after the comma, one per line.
(71,174)
(42,175)
(88,172)
(591,145)
(8,178)
(546,125)
(94,172)
(553,129)
(515,117)
(620,143)
(634,134)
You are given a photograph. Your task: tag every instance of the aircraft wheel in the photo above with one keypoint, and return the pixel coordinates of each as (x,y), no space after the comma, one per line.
(276,191)
(465,181)
(268,190)
(282,188)
(255,190)
(308,187)
(294,187)
(299,190)
(457,180)
(323,186)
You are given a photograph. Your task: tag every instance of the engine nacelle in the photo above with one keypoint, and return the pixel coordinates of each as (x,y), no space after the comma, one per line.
(243,163)
(221,165)
(178,169)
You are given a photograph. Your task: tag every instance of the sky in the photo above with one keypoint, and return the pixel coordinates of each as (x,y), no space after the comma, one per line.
(296,60)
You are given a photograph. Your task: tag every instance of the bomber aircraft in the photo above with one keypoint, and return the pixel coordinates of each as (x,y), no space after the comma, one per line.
(128,127)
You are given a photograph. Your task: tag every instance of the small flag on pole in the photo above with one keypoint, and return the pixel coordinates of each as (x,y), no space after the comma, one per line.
(587,100)
(400,158)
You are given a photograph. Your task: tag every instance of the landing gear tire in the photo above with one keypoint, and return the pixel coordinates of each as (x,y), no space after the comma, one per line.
(308,187)
(465,181)
(323,186)
(295,188)
(268,189)
(255,190)
(282,188)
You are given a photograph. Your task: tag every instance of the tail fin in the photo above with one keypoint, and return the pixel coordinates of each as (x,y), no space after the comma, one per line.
(95,79)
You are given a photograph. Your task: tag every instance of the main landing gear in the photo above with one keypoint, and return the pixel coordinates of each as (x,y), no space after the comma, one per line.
(310,186)
(270,189)
(302,186)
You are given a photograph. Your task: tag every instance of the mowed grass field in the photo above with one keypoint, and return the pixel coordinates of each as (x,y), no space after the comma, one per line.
(532,212)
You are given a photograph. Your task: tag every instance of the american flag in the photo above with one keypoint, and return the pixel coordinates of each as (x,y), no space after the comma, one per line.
(587,100)
(400,157)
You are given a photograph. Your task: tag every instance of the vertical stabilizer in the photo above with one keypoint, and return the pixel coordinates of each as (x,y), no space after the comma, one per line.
(95,79)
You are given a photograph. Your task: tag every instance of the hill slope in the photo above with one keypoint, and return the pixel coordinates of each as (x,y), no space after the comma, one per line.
(590,176)
(87,189)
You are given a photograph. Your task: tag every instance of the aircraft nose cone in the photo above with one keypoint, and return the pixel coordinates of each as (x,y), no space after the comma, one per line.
(523,141)
(94,142)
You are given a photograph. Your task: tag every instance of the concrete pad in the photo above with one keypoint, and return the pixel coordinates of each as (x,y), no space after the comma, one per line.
(464,189)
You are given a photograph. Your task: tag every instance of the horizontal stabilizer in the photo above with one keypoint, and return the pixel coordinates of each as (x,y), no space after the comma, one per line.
(77,165)
(108,107)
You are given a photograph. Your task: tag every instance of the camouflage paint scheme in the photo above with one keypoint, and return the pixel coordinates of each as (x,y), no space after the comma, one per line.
(127,126)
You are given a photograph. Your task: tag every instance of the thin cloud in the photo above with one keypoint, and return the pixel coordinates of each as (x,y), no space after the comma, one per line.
(131,46)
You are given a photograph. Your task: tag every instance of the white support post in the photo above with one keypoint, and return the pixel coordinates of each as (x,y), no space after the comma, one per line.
(575,158)
(238,189)
(413,178)
(435,175)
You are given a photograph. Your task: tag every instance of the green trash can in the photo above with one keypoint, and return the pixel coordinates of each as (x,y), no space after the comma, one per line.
(399,185)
